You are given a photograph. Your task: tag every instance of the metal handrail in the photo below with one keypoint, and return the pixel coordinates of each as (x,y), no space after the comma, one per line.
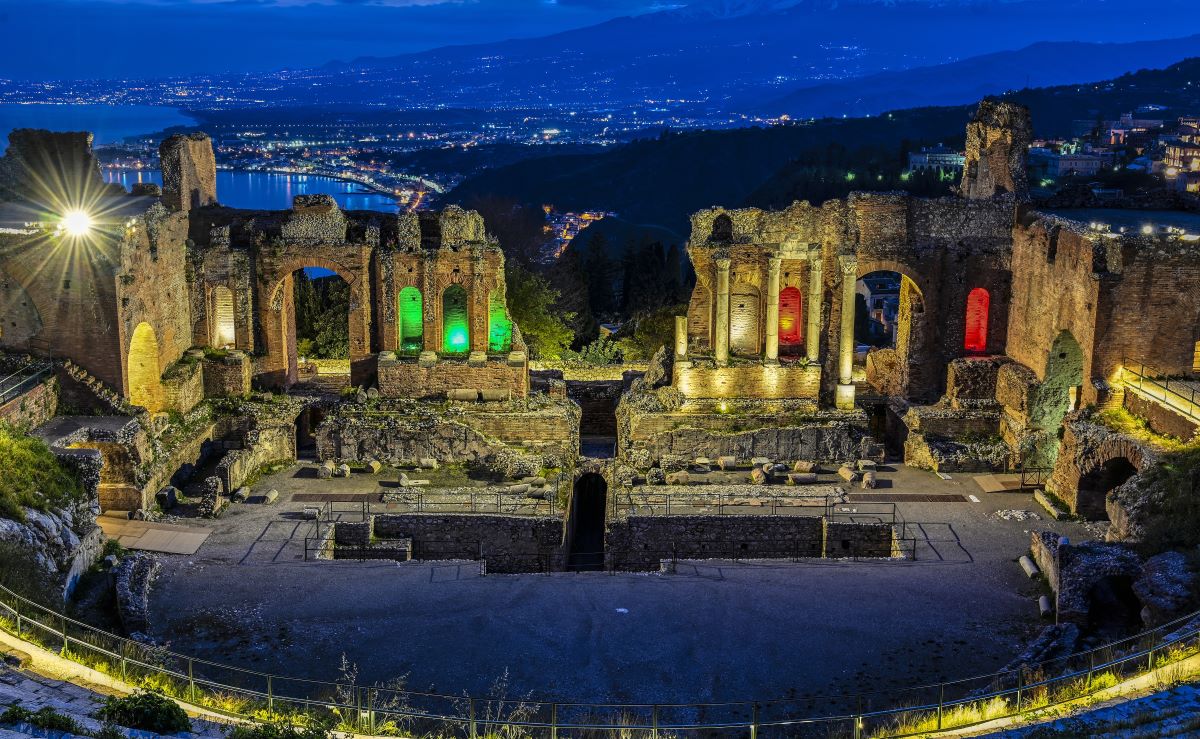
(1163,383)
(363,706)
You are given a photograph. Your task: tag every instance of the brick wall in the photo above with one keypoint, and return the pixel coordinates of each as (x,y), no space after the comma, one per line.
(508,543)
(226,376)
(1160,418)
(33,407)
(405,378)
(748,381)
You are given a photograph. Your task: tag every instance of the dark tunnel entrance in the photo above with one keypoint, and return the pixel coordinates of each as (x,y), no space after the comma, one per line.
(589,502)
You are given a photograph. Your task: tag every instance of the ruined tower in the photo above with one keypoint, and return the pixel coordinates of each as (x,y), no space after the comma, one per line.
(189,171)
(51,168)
(997,141)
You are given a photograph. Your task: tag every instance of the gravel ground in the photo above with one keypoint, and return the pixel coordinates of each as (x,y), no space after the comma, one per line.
(713,631)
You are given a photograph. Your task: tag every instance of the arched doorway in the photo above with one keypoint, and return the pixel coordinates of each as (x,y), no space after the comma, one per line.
(456,322)
(744,320)
(877,309)
(589,503)
(412,321)
(223,332)
(975,337)
(1095,486)
(144,375)
(316,329)
(722,228)
(791,320)
(1056,396)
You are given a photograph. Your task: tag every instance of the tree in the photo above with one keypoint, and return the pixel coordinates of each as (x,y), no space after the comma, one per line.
(533,304)
(598,271)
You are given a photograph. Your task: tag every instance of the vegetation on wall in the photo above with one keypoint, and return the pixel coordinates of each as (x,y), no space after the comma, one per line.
(322,316)
(1174,515)
(33,476)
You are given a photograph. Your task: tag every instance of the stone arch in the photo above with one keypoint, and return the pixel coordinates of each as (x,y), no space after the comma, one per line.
(456,320)
(791,317)
(902,366)
(143,373)
(586,524)
(221,322)
(976,334)
(745,324)
(1095,485)
(411,320)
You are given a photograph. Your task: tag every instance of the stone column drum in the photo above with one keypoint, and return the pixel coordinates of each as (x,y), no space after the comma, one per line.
(812,336)
(721,340)
(771,353)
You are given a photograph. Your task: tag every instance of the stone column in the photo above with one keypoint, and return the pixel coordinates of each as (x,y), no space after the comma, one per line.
(771,353)
(845,389)
(816,291)
(681,337)
(721,340)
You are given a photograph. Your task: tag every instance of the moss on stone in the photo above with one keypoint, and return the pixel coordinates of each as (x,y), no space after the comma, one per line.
(33,476)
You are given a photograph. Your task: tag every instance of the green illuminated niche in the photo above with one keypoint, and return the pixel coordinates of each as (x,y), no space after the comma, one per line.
(456,332)
(412,328)
(499,326)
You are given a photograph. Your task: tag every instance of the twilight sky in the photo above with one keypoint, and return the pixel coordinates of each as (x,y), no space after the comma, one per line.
(55,39)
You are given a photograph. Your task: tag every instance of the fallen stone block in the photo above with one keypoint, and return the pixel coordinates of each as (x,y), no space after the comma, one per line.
(866,464)
(167,498)
(702,462)
(342,470)
(678,478)
(804,465)
(759,461)
(311,512)
(726,463)
(1031,569)
(462,394)
(428,463)
(375,466)
(757,476)
(520,488)
(271,496)
(495,394)
(848,474)
(802,478)
(325,471)
(868,480)
(241,494)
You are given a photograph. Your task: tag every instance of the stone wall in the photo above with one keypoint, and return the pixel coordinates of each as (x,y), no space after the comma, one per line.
(262,446)
(1159,417)
(1086,447)
(997,140)
(747,381)
(33,407)
(189,171)
(227,376)
(183,385)
(408,378)
(507,543)
(640,542)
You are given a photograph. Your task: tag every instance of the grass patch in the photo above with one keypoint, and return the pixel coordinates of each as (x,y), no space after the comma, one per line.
(33,477)
(1122,421)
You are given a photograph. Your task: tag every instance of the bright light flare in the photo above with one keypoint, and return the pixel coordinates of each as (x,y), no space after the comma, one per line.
(76,223)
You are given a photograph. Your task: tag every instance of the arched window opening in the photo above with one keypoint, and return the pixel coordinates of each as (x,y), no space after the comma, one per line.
(791,318)
(412,322)
(222,307)
(978,302)
(499,325)
(722,228)
(456,329)
(144,373)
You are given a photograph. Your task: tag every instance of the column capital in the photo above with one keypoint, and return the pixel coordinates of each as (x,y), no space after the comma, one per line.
(848,263)
(773,264)
(814,254)
(723,263)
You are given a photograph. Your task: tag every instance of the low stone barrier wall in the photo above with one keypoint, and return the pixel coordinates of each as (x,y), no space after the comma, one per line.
(1160,418)
(507,543)
(640,542)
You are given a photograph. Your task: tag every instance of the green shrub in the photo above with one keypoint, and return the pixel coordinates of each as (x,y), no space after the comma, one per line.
(44,718)
(280,729)
(1174,515)
(33,477)
(145,710)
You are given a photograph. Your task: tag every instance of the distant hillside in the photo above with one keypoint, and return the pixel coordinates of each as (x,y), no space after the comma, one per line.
(1039,65)
(661,181)
(618,233)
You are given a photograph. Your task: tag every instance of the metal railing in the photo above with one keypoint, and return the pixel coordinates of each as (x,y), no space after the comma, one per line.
(1181,397)
(375,709)
(23,380)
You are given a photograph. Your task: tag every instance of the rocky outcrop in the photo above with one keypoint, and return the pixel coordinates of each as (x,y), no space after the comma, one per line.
(62,544)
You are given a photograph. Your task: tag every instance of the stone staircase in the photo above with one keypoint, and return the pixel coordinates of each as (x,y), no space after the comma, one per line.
(109,398)
(320,384)
(1112,399)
